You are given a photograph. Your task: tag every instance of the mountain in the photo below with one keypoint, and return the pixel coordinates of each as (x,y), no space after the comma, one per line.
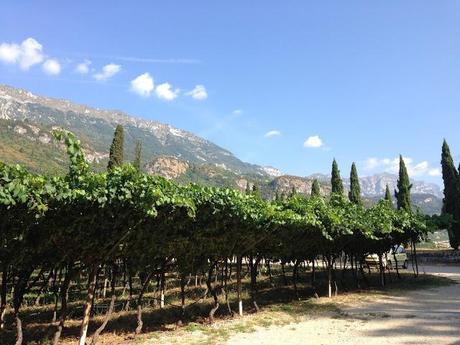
(27,120)
(376,184)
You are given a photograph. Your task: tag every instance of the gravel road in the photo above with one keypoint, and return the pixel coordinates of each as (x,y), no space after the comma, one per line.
(426,316)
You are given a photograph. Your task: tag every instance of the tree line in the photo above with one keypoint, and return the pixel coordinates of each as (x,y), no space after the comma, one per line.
(128,224)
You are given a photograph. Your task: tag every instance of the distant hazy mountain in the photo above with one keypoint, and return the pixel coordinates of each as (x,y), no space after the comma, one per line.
(26,122)
(375,185)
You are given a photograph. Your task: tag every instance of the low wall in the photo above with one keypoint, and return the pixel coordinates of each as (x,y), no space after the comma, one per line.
(438,256)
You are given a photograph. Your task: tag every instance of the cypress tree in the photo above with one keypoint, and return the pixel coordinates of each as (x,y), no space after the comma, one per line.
(355,190)
(293,192)
(248,188)
(388,195)
(404,186)
(255,190)
(403,202)
(451,201)
(137,155)
(336,180)
(116,149)
(315,190)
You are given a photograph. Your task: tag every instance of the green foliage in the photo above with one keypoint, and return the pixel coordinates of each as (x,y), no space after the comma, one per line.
(355,190)
(403,193)
(336,180)
(78,165)
(116,149)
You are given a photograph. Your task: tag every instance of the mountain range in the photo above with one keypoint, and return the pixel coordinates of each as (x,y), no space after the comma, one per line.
(27,120)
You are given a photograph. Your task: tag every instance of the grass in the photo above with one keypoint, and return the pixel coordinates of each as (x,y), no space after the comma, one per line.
(279,306)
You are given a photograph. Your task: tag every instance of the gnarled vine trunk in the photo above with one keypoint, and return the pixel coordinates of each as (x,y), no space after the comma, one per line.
(110,309)
(64,297)
(88,305)
(140,323)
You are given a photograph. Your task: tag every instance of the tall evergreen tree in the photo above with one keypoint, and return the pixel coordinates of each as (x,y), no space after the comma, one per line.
(255,190)
(137,155)
(293,192)
(451,201)
(403,193)
(116,149)
(315,190)
(248,188)
(336,180)
(355,190)
(388,194)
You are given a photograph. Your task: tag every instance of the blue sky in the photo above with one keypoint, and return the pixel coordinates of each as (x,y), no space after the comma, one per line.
(290,84)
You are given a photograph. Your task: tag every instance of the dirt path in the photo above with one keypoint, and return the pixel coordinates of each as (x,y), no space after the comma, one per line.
(428,316)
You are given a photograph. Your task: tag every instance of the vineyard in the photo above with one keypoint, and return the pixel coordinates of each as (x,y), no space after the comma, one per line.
(118,233)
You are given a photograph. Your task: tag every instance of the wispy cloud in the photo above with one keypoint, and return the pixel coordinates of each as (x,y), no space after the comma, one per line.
(199,93)
(273,133)
(154,60)
(140,59)
(108,71)
(83,67)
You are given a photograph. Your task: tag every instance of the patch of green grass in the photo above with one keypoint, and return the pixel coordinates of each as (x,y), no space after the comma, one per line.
(194,327)
(423,281)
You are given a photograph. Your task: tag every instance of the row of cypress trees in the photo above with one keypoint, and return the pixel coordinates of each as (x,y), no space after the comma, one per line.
(451,202)
(402,193)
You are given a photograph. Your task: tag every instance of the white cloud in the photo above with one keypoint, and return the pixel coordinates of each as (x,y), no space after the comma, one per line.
(313,141)
(434,172)
(372,163)
(392,166)
(165,92)
(199,93)
(83,67)
(108,71)
(142,85)
(273,133)
(26,54)
(51,67)
(31,53)
(237,112)
(9,53)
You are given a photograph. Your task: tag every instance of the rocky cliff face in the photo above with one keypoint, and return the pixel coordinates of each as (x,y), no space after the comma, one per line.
(168,167)
(286,183)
